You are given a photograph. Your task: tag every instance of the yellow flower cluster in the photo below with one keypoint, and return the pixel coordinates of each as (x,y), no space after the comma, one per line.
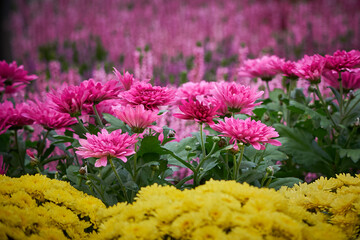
(36,207)
(337,199)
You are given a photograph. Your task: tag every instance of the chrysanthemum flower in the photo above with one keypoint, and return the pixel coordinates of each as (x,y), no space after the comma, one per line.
(127,79)
(191,90)
(342,60)
(104,145)
(98,92)
(11,116)
(69,100)
(265,67)
(350,79)
(237,97)
(138,118)
(13,78)
(311,67)
(247,131)
(200,111)
(147,95)
(43,114)
(289,69)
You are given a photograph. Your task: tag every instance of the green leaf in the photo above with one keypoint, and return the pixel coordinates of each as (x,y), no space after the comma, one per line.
(354,154)
(151,144)
(115,123)
(324,121)
(259,111)
(289,182)
(71,173)
(178,153)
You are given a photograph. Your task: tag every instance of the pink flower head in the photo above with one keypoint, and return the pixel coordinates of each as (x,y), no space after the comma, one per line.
(138,118)
(265,67)
(342,60)
(311,67)
(13,117)
(98,92)
(69,100)
(200,111)
(350,79)
(289,69)
(191,90)
(147,95)
(247,131)
(104,145)
(237,98)
(43,114)
(13,78)
(126,79)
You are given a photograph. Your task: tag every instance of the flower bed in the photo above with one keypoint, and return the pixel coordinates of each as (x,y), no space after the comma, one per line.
(36,207)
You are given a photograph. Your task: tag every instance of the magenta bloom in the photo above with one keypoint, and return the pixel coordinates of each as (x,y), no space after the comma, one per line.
(342,60)
(194,89)
(289,69)
(13,78)
(98,92)
(104,145)
(126,79)
(200,111)
(69,100)
(265,67)
(247,131)
(311,67)
(236,97)
(13,117)
(350,79)
(138,118)
(43,114)
(147,95)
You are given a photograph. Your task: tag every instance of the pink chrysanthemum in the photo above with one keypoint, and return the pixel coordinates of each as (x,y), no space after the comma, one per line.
(126,79)
(200,111)
(191,90)
(138,118)
(289,69)
(43,114)
(265,67)
(247,131)
(236,97)
(98,92)
(311,67)
(13,78)
(13,117)
(342,60)
(350,79)
(147,95)
(69,100)
(104,145)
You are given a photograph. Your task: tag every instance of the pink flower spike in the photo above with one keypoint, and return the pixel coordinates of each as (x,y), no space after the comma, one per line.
(105,145)
(13,78)
(311,67)
(126,79)
(247,131)
(69,100)
(237,98)
(97,92)
(138,118)
(342,60)
(202,112)
(147,95)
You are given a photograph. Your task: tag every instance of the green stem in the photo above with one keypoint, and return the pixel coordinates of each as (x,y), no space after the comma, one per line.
(202,140)
(21,159)
(118,178)
(242,148)
(234,167)
(43,144)
(81,124)
(325,106)
(354,130)
(267,87)
(98,190)
(264,179)
(287,110)
(98,119)
(341,103)
(196,181)
(135,163)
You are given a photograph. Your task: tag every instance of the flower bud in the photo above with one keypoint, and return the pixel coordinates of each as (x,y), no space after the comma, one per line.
(330,109)
(234,149)
(83,170)
(222,142)
(357,122)
(188,148)
(266,117)
(155,167)
(34,162)
(64,178)
(216,139)
(270,170)
(171,134)
(351,95)
(88,182)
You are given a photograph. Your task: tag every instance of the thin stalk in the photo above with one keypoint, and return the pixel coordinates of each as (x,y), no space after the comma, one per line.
(267,87)
(242,148)
(325,107)
(264,179)
(98,119)
(81,124)
(98,190)
(354,130)
(196,181)
(21,159)
(118,178)
(135,162)
(202,140)
(234,167)
(352,107)
(287,110)
(341,103)
(43,143)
